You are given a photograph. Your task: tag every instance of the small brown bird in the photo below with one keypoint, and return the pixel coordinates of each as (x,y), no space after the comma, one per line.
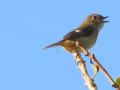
(86,34)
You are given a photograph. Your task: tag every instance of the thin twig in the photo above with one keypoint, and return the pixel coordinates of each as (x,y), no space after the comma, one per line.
(92,57)
(81,66)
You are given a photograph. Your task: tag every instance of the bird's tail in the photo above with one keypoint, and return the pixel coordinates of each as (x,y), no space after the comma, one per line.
(54,45)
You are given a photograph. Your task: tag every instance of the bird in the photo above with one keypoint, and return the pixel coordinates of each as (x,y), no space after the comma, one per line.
(86,34)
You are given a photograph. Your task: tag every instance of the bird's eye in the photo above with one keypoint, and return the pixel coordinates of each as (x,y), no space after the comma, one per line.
(94,17)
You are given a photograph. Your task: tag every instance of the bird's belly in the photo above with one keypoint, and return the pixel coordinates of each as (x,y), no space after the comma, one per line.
(88,42)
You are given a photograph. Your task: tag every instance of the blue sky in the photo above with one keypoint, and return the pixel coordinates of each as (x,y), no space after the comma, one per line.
(27,26)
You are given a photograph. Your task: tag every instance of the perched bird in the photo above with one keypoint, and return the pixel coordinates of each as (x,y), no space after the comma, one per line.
(86,34)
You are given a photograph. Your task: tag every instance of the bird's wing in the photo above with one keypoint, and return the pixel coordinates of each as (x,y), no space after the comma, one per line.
(86,32)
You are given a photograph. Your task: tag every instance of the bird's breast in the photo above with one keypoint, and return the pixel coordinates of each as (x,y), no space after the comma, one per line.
(88,42)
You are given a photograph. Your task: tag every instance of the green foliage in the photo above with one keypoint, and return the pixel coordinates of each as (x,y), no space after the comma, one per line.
(95,68)
(118,81)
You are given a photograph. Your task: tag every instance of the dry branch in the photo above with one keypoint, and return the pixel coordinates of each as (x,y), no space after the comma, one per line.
(81,66)
(92,57)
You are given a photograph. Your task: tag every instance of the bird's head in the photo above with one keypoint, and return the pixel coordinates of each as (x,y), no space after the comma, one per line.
(95,20)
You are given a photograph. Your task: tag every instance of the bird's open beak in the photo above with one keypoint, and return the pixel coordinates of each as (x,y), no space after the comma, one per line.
(104,19)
